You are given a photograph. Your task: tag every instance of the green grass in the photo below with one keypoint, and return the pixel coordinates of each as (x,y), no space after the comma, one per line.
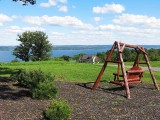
(152,63)
(67,71)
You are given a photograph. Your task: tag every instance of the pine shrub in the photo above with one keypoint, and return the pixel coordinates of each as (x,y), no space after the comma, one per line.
(58,110)
(45,90)
(40,83)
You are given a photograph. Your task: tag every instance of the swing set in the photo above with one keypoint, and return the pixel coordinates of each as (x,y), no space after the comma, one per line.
(133,75)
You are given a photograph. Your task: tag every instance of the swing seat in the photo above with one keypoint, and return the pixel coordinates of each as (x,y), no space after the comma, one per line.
(134,76)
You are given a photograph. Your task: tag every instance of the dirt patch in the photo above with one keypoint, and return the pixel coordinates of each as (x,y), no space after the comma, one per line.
(108,102)
(16,102)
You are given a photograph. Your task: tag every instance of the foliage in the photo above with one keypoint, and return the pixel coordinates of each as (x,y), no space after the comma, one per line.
(25,2)
(31,78)
(65,57)
(154,54)
(130,55)
(34,46)
(15,60)
(41,84)
(76,57)
(101,56)
(58,110)
(44,90)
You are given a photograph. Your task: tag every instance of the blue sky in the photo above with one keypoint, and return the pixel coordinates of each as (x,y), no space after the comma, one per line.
(83,22)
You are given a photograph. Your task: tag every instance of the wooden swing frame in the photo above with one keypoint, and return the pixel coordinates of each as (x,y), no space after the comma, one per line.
(129,77)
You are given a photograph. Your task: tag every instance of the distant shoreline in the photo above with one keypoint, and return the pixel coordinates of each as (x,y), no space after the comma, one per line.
(69,50)
(78,47)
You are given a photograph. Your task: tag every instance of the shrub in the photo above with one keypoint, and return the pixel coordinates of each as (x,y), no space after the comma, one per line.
(44,90)
(31,78)
(15,60)
(22,76)
(40,84)
(58,110)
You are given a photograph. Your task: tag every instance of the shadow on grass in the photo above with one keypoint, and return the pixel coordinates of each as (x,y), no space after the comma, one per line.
(4,71)
(7,71)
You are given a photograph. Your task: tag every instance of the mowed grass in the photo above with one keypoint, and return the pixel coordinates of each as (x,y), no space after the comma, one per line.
(68,71)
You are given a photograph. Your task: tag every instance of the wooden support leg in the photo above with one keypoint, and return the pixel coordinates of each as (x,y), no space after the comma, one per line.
(104,67)
(127,88)
(151,72)
(126,81)
(99,76)
(124,73)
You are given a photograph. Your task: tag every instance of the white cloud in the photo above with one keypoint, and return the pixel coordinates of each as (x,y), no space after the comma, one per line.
(97,19)
(109,8)
(143,20)
(14,16)
(81,37)
(4,18)
(17,29)
(57,33)
(132,32)
(51,3)
(62,1)
(63,8)
(57,21)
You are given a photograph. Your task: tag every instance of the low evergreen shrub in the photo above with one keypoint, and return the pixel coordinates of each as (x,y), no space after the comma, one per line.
(58,110)
(45,90)
(40,83)
(31,78)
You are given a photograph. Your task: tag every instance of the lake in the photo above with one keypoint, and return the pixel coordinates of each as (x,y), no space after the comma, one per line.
(60,50)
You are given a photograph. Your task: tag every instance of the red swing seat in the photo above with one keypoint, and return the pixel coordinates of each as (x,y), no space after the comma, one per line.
(134,76)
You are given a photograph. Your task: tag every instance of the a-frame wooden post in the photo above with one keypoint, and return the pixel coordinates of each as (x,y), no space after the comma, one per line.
(150,70)
(104,67)
(120,50)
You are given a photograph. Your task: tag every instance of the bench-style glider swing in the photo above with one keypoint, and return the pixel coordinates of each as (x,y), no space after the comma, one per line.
(133,75)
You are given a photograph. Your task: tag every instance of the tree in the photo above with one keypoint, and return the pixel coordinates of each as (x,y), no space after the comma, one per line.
(34,46)
(25,2)
(65,57)
(153,54)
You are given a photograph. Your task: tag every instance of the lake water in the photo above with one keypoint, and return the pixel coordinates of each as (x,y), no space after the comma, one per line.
(6,54)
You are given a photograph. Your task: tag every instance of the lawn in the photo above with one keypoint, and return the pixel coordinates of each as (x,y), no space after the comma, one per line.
(107,102)
(70,71)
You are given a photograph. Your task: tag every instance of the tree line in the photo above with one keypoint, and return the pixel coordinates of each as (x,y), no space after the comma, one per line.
(130,55)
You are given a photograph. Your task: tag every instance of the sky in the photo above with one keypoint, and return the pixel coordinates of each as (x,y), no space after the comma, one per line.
(83,22)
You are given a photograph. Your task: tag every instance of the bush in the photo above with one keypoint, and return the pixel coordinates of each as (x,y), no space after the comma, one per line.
(58,110)
(65,57)
(40,84)
(31,78)
(15,60)
(45,90)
